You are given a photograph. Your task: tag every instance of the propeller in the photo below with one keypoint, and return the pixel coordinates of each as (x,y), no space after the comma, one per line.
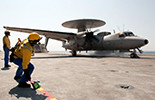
(90,35)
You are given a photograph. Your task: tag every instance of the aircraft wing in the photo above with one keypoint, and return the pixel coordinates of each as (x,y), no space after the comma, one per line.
(61,36)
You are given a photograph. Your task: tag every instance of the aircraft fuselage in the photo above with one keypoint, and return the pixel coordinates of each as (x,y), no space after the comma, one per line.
(108,42)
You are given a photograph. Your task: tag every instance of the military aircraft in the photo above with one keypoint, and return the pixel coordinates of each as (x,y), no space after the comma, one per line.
(85,40)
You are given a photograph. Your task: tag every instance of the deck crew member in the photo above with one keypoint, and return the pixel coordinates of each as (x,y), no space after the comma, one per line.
(6,48)
(22,57)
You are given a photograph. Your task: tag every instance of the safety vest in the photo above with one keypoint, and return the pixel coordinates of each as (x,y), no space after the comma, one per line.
(6,42)
(23,45)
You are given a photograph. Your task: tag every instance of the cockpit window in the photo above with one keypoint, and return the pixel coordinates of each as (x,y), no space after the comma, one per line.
(124,34)
(121,35)
(129,34)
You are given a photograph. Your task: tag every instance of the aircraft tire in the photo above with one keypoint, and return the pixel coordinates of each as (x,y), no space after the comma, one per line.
(133,55)
(73,53)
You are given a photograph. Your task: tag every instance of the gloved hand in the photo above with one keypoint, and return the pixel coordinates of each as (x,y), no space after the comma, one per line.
(12,49)
(26,72)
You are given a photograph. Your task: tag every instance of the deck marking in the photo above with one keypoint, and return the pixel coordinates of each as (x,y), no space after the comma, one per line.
(45,93)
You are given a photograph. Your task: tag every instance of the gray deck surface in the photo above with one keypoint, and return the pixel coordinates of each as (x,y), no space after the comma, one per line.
(85,77)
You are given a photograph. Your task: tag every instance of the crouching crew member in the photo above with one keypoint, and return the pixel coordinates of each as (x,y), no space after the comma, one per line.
(22,57)
(6,48)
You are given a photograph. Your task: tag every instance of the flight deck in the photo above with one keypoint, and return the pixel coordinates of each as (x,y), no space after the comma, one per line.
(85,77)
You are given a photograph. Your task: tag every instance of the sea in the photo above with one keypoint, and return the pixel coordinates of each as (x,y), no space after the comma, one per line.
(149,52)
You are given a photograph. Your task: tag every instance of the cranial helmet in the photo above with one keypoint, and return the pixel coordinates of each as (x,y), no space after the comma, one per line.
(7,32)
(34,36)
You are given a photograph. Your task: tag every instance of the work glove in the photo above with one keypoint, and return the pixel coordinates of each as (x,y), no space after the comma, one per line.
(26,72)
(12,49)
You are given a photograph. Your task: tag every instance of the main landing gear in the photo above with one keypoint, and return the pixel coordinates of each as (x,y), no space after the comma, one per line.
(73,53)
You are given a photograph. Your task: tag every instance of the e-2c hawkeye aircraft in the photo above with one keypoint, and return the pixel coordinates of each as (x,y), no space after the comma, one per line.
(85,40)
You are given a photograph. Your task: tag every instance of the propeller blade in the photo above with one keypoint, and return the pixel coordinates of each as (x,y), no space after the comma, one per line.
(87,33)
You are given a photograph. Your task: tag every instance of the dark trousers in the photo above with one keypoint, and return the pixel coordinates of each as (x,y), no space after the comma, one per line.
(6,56)
(20,69)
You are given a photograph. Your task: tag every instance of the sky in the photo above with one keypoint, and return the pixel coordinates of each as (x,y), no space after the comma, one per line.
(137,16)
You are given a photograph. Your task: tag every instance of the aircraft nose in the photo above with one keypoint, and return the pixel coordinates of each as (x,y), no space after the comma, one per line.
(146,41)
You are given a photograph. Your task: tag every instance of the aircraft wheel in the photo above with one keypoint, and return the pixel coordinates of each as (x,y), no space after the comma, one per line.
(132,55)
(73,53)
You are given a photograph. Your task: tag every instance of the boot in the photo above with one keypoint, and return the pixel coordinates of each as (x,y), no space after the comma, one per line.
(17,77)
(6,66)
(23,85)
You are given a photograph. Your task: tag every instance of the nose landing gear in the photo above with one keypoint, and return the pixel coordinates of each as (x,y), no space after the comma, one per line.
(134,55)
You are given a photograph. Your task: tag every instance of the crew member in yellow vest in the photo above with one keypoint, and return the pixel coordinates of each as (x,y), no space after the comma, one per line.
(6,47)
(22,57)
